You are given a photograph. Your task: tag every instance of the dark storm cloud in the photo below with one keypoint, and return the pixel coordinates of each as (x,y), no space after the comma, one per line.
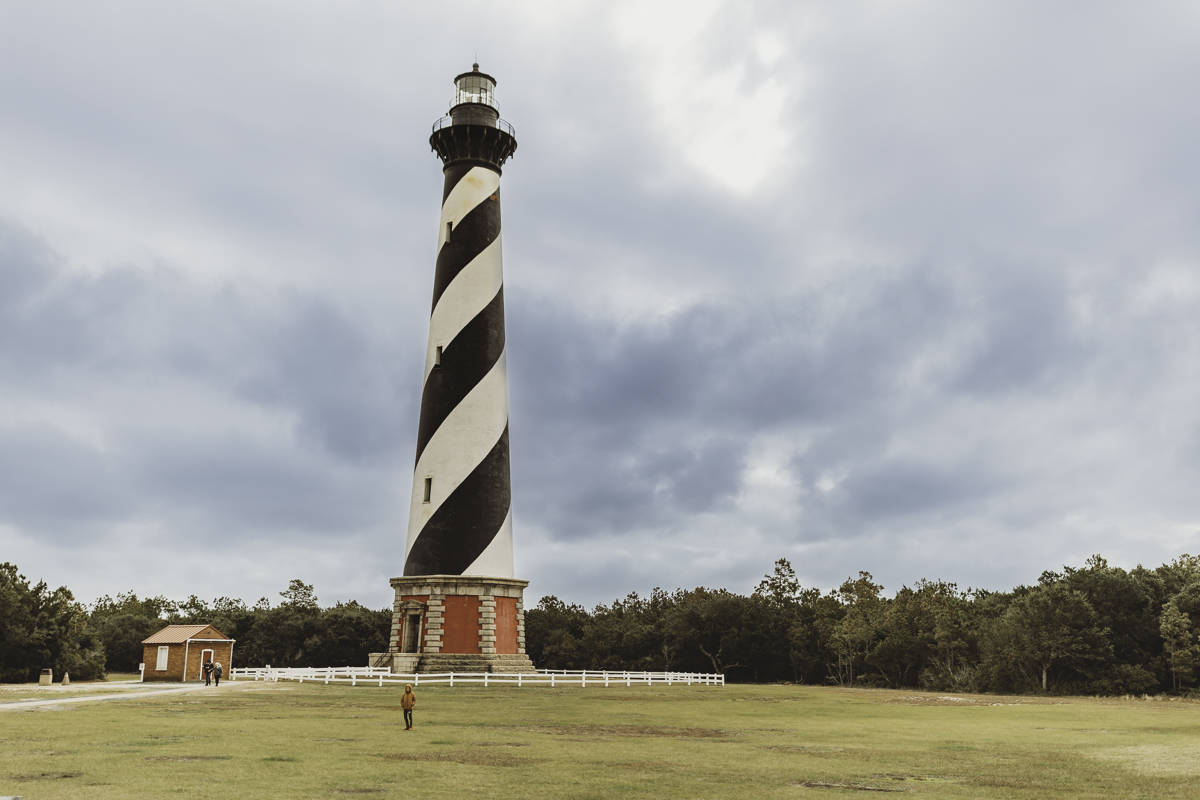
(698,478)
(673,404)
(56,484)
(344,385)
(894,488)
(297,358)
(294,351)
(57,319)
(25,267)
(1023,325)
(744,364)
(258,490)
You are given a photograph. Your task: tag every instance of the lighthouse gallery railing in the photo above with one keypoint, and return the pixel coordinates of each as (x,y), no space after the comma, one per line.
(502,124)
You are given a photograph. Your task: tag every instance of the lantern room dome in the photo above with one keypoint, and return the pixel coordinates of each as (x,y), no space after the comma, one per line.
(475,87)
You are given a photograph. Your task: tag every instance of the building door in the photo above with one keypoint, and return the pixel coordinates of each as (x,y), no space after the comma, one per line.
(412,634)
(206,655)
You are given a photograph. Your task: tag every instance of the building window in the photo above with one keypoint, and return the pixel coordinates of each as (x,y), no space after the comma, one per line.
(437,356)
(163,650)
(428,488)
(449,227)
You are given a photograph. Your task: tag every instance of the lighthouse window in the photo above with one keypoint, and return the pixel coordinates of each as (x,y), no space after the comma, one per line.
(437,356)
(449,227)
(428,489)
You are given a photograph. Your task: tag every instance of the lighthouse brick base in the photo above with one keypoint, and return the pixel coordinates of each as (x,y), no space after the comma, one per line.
(456,623)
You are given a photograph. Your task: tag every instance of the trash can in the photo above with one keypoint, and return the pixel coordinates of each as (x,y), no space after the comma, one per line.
(47,677)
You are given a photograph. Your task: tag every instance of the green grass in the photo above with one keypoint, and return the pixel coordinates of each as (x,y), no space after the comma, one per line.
(745,742)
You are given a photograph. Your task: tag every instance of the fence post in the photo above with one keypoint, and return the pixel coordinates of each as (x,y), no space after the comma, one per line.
(519,680)
(451,679)
(485,677)
(551,680)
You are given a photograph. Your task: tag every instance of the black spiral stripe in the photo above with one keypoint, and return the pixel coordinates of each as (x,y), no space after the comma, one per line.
(465,361)
(471,236)
(474,512)
(465,524)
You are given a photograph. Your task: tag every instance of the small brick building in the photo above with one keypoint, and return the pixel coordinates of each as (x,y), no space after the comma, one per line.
(178,652)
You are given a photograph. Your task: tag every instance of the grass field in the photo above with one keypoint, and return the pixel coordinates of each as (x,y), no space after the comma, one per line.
(285,740)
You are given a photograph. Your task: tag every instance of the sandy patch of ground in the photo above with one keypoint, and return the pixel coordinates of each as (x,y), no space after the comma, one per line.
(1155,759)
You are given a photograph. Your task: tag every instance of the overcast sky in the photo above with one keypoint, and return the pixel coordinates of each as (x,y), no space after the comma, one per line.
(905,287)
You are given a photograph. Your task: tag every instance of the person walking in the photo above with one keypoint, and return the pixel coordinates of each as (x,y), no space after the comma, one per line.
(208,671)
(407,701)
(217,673)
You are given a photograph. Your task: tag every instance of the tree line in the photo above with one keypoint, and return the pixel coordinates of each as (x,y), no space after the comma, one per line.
(1095,629)
(43,628)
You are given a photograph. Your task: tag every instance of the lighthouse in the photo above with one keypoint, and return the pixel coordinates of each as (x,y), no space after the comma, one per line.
(458,605)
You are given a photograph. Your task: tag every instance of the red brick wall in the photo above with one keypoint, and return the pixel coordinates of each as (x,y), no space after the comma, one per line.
(506,625)
(460,631)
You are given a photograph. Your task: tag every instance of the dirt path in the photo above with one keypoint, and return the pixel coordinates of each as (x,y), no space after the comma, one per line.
(129,694)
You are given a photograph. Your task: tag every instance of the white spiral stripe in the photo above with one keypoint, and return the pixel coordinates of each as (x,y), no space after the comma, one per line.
(468,293)
(472,189)
(497,559)
(459,444)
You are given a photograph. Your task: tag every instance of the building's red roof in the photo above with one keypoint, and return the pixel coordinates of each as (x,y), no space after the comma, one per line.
(178,634)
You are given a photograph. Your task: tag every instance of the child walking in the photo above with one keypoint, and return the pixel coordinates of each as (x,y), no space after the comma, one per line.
(407,701)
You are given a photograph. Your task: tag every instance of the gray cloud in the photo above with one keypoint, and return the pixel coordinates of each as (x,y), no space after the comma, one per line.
(55,483)
(896,488)
(323,397)
(262,489)
(954,315)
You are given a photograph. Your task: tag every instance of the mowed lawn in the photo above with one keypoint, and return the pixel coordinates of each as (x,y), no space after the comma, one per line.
(287,740)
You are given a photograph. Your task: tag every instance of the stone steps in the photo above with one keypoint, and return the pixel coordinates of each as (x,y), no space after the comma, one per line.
(454,662)
(405,663)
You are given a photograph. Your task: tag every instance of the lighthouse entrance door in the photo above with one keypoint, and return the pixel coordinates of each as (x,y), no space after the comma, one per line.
(412,633)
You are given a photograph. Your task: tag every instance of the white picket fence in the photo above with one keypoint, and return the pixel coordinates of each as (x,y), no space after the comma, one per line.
(379,676)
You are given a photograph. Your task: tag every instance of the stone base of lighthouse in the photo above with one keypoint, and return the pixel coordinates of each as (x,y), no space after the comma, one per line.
(456,623)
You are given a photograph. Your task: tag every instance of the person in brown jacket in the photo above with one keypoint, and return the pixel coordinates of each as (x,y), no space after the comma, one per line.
(407,701)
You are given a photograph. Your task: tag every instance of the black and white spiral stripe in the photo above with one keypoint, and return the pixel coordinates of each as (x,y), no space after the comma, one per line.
(464,526)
